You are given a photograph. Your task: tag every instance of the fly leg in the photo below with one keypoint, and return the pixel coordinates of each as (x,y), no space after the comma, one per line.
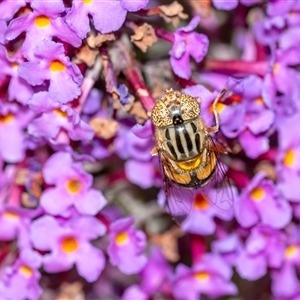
(215,128)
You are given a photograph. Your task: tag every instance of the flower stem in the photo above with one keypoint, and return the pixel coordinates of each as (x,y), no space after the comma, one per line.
(198,247)
(236,66)
(164,35)
(136,81)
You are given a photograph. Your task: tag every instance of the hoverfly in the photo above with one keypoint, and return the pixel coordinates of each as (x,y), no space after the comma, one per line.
(187,153)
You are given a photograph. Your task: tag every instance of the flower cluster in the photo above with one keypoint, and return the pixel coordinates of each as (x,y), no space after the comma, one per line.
(83,194)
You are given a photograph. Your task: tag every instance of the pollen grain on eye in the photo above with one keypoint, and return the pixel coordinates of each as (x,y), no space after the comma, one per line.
(42,21)
(57,66)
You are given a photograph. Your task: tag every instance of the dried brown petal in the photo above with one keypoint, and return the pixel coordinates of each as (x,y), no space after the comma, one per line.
(71,291)
(99,39)
(268,168)
(202,8)
(172,13)
(144,36)
(104,127)
(22,176)
(168,243)
(139,112)
(86,55)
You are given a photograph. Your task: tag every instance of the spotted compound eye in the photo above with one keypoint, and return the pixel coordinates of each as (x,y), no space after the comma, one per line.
(190,108)
(160,115)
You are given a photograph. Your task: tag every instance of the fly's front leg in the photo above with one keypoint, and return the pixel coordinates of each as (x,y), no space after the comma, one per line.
(215,111)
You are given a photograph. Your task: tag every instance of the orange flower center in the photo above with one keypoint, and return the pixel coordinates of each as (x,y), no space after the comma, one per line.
(259,100)
(6,118)
(74,186)
(10,215)
(122,238)
(257,194)
(26,271)
(276,68)
(42,21)
(69,244)
(87,1)
(201,202)
(291,251)
(15,65)
(202,276)
(289,158)
(57,66)
(61,113)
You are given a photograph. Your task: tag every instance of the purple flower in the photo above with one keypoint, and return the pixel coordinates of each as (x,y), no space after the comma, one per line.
(261,202)
(93,102)
(225,4)
(228,247)
(55,119)
(107,16)
(134,292)
(13,121)
(18,88)
(72,186)
(155,274)
(285,283)
(252,118)
(21,280)
(43,23)
(285,77)
(210,277)
(69,243)
(264,248)
(135,142)
(288,159)
(124,94)
(51,64)
(14,224)
(201,219)
(3,28)
(136,145)
(9,8)
(126,246)
(187,43)
(231,4)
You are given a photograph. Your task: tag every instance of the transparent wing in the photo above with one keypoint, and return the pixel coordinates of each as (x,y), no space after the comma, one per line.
(222,195)
(180,201)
